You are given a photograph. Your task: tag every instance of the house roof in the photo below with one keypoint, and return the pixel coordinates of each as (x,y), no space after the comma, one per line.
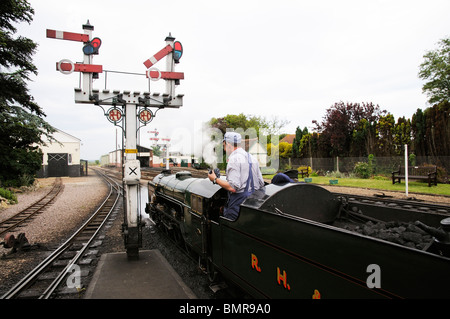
(288,138)
(62,137)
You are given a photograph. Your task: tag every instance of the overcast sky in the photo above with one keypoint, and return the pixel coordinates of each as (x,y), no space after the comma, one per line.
(289,59)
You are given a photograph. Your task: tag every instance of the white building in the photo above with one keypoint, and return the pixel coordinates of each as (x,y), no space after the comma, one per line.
(257,150)
(147,159)
(115,158)
(61,159)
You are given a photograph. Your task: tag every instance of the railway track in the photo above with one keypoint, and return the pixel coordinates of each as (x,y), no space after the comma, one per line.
(62,267)
(33,210)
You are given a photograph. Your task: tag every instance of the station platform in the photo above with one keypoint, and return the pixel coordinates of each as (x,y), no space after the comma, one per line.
(149,277)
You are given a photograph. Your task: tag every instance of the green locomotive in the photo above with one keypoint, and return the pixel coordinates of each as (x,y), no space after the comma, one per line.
(289,242)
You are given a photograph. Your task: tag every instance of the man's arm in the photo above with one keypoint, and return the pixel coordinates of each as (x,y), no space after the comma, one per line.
(221,182)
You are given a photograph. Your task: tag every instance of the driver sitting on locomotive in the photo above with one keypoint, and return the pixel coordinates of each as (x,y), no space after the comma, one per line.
(243,175)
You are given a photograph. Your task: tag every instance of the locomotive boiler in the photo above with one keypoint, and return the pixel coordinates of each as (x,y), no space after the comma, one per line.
(298,240)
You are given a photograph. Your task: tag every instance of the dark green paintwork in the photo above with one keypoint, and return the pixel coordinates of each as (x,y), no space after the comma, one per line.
(299,257)
(319,257)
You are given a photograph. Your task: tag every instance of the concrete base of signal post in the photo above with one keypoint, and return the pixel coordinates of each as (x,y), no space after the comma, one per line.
(133,241)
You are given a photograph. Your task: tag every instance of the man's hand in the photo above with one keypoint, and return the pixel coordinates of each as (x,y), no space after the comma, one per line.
(211,176)
(223,183)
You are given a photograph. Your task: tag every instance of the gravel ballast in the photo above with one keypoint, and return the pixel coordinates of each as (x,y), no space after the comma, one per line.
(79,197)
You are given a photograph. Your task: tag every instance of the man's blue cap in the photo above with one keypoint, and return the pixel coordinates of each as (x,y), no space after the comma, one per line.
(232,137)
(281,178)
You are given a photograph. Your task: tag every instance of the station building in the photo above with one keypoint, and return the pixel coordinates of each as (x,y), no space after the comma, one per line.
(115,158)
(62,158)
(148,159)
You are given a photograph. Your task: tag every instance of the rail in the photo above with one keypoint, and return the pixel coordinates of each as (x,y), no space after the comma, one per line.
(83,237)
(32,210)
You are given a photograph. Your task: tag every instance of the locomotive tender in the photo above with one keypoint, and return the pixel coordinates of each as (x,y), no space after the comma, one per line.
(287,243)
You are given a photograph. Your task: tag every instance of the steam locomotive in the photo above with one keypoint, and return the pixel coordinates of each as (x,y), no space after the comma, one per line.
(298,240)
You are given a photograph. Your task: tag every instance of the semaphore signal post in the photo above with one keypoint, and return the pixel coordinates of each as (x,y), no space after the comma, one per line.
(126,109)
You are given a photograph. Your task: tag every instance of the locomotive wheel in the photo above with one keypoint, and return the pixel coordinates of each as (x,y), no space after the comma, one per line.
(9,241)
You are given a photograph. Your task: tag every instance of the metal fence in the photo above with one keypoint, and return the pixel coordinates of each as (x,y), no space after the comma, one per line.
(381,165)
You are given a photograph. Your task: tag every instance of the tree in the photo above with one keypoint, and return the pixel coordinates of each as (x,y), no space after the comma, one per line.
(156,150)
(21,119)
(385,132)
(436,71)
(437,133)
(442,128)
(285,149)
(251,126)
(341,120)
(299,133)
(418,131)
(243,122)
(363,138)
(402,134)
(308,145)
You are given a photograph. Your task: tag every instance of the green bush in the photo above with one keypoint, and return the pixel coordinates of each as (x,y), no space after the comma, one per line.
(314,174)
(362,170)
(8,195)
(334,174)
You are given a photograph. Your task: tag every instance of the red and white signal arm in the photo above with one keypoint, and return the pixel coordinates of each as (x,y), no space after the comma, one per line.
(145,116)
(114,115)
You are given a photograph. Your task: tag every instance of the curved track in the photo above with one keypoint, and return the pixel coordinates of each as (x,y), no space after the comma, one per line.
(44,279)
(32,210)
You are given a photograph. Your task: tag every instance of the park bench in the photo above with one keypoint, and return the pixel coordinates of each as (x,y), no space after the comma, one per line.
(304,171)
(294,173)
(426,173)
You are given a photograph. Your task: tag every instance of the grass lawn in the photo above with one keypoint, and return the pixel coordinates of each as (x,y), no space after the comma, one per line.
(383,184)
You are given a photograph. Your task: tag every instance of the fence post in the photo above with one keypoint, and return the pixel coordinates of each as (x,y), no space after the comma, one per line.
(406,168)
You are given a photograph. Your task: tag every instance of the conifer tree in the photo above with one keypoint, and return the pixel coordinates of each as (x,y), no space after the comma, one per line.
(21,119)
